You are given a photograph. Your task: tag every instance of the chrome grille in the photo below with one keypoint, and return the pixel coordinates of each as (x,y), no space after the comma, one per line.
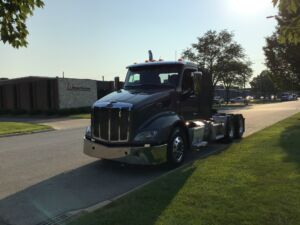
(111,124)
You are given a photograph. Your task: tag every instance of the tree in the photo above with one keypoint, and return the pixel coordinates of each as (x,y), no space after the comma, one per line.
(262,85)
(235,73)
(283,61)
(13,16)
(288,20)
(222,57)
(213,51)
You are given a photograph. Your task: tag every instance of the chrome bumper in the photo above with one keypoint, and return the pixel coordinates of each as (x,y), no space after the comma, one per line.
(132,155)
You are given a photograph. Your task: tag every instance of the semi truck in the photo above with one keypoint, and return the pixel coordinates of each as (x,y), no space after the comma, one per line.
(163,110)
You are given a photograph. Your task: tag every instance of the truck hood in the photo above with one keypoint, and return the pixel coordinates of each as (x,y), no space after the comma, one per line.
(138,98)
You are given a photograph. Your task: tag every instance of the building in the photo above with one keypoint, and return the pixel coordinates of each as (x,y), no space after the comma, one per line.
(42,94)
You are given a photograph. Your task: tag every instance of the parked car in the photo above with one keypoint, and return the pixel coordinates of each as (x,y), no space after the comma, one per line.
(218,100)
(284,97)
(295,97)
(249,98)
(238,100)
(288,97)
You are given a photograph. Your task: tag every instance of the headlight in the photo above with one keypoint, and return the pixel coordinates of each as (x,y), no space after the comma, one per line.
(88,132)
(146,136)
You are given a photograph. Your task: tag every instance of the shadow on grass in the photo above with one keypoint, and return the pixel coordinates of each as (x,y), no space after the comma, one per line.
(290,142)
(143,206)
(146,205)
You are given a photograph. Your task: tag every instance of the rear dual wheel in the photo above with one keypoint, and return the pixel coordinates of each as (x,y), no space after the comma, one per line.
(229,130)
(235,127)
(239,126)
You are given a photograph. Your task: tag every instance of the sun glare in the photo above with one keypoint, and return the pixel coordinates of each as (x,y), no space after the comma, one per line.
(248,6)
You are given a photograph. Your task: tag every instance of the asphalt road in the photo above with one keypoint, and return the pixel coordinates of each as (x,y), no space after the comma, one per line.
(46,175)
(260,116)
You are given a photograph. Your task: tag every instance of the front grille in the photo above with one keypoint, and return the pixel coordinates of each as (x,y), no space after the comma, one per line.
(111,124)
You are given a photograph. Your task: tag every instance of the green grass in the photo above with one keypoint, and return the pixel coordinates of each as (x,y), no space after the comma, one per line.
(253,182)
(230,106)
(16,128)
(263,101)
(81,116)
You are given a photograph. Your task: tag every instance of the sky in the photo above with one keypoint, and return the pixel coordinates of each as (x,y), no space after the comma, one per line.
(95,38)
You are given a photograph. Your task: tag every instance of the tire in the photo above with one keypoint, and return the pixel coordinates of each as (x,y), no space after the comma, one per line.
(177,147)
(239,126)
(229,133)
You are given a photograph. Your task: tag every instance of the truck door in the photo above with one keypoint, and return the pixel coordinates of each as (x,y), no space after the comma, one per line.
(188,99)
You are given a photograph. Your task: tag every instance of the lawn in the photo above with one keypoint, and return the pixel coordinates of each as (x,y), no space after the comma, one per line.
(81,116)
(264,101)
(230,106)
(16,127)
(254,182)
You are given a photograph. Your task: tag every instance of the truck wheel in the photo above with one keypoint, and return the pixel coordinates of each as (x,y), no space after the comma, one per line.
(229,133)
(177,147)
(239,126)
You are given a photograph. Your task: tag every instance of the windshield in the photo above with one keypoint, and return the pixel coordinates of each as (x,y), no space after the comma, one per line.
(153,76)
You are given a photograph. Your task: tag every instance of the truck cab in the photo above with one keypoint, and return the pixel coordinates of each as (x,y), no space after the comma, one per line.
(163,110)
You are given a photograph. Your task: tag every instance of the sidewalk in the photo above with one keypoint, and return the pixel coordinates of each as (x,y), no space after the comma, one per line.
(67,124)
(57,123)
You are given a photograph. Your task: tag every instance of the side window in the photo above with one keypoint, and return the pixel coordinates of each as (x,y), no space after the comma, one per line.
(134,78)
(187,81)
(169,78)
(164,77)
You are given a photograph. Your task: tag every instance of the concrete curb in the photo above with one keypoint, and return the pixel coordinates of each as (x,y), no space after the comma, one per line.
(72,215)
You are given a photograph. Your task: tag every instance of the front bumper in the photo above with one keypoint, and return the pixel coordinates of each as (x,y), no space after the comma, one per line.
(152,155)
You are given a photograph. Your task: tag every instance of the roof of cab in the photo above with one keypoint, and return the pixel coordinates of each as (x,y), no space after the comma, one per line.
(157,63)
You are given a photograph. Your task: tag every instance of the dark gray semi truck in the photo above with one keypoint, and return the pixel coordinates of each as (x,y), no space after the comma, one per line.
(163,111)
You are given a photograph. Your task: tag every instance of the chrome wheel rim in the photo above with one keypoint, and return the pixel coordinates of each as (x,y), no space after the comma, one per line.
(231,131)
(241,127)
(178,148)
